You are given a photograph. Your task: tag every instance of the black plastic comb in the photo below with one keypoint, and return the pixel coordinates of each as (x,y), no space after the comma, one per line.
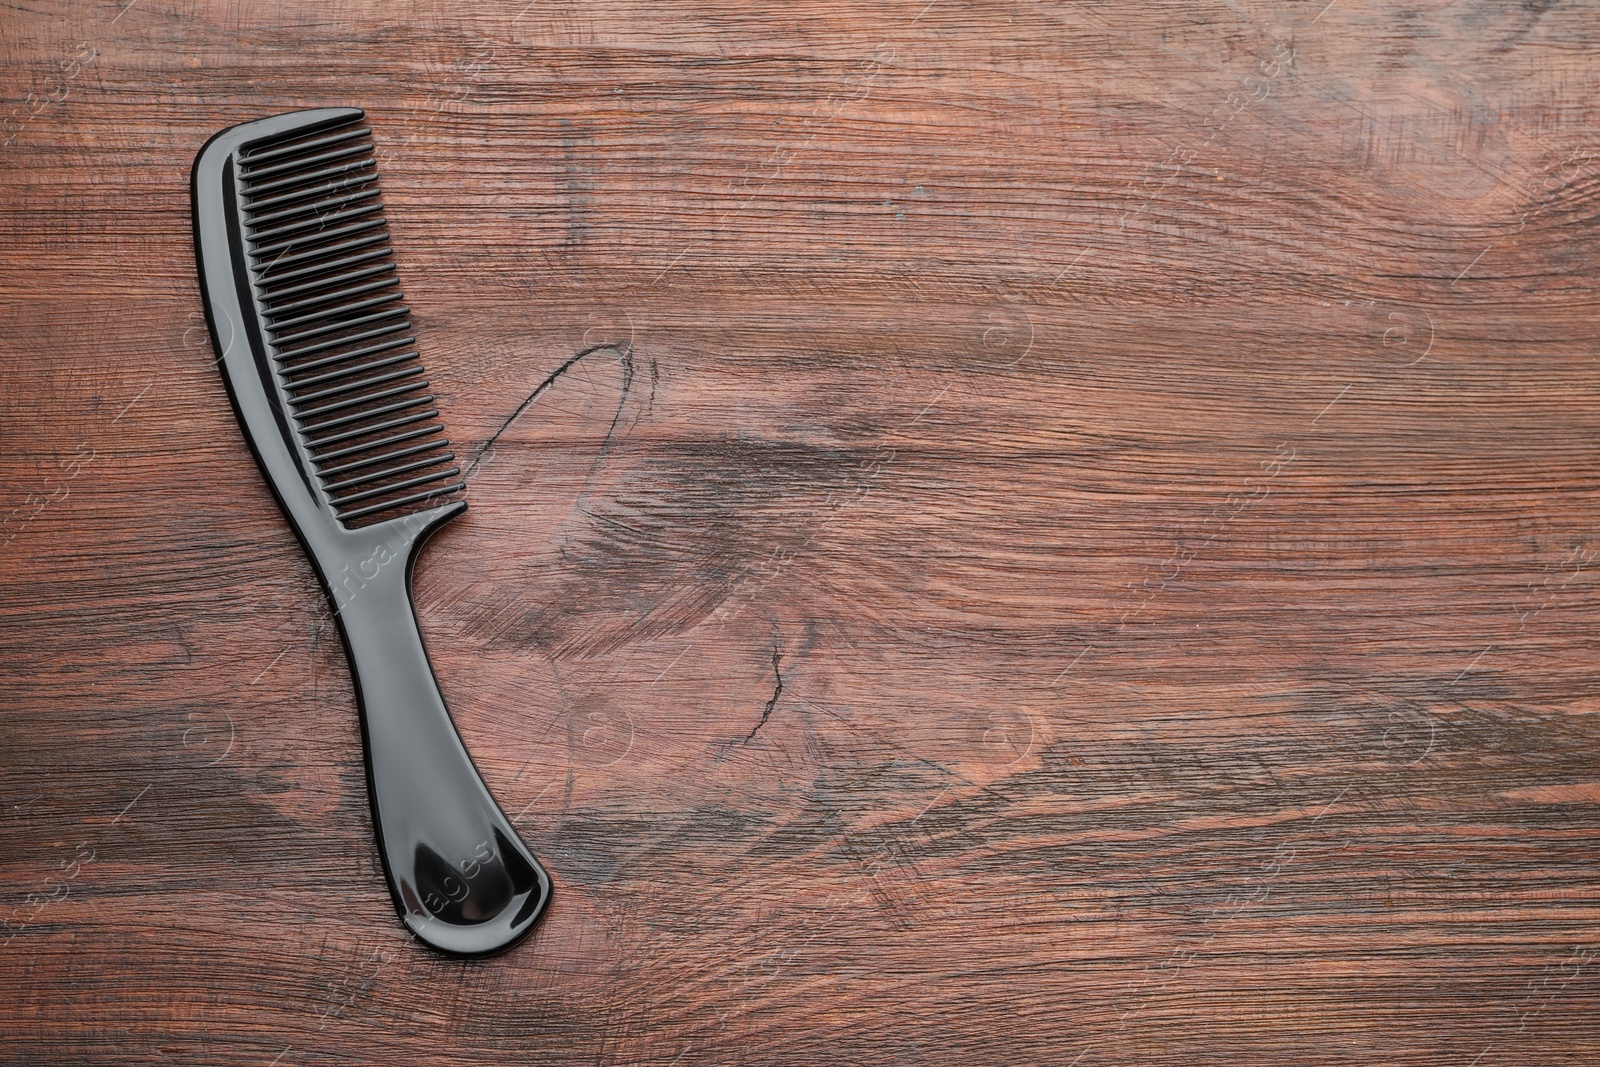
(315,345)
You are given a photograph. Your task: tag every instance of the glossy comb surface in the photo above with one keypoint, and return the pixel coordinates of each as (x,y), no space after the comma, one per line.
(336,322)
(314,340)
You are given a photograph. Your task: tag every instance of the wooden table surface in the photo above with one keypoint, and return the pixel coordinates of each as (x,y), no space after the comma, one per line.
(1042,534)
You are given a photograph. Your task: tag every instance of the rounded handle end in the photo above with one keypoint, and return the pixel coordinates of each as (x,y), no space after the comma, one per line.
(477,906)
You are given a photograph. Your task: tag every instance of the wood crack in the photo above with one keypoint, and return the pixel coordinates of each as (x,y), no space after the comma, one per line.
(777,691)
(624,351)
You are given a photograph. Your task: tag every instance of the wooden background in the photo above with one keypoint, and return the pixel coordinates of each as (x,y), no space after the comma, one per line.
(1048,534)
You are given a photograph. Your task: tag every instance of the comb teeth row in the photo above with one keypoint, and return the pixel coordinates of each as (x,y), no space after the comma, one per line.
(338,324)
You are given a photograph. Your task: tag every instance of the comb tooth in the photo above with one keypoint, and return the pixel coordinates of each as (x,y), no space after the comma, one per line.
(252,157)
(348,387)
(361,320)
(315,432)
(323,346)
(338,326)
(272,218)
(409,435)
(345,372)
(318,227)
(366,398)
(350,181)
(311,227)
(254,174)
(345,307)
(266,212)
(361,431)
(269,271)
(388,472)
(277,295)
(279,309)
(383,457)
(333,170)
(306,293)
(394,487)
(405,501)
(319,268)
(349,309)
(340,357)
(341,499)
(263,249)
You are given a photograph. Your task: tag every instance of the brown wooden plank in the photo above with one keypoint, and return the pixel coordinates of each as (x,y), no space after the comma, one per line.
(1072,541)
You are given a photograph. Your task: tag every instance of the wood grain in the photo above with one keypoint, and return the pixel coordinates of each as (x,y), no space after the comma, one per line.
(1051,534)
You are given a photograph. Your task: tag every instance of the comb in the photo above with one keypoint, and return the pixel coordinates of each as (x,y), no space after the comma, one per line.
(314,340)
